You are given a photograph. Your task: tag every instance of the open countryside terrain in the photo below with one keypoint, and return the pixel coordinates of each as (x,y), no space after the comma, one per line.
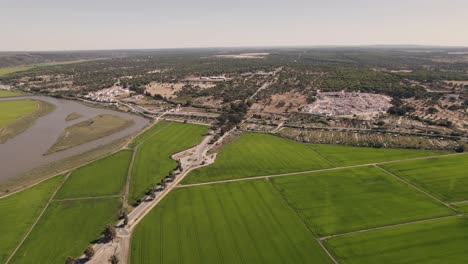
(245,222)
(305,208)
(153,158)
(444,177)
(20,210)
(66,229)
(341,201)
(100,178)
(437,241)
(255,154)
(346,155)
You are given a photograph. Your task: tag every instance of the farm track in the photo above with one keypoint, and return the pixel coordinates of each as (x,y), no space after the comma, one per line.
(38,218)
(319,240)
(86,198)
(418,189)
(312,171)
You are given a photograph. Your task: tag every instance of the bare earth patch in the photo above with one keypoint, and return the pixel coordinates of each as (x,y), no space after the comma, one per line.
(279,103)
(344,104)
(167,90)
(89,130)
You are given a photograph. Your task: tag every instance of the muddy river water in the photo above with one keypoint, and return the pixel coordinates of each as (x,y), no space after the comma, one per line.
(25,151)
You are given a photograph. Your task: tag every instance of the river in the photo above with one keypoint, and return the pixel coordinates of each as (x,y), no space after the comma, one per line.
(25,151)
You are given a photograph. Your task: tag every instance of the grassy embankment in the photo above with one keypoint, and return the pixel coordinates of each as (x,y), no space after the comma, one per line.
(8,93)
(89,130)
(153,159)
(18,115)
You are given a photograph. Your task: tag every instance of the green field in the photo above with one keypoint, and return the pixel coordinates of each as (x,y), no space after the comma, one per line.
(341,201)
(159,126)
(8,93)
(102,177)
(256,154)
(66,229)
(9,70)
(153,161)
(438,241)
(89,130)
(346,156)
(445,177)
(13,110)
(243,222)
(463,207)
(20,210)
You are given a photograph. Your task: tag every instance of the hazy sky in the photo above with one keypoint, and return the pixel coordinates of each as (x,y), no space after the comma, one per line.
(116,24)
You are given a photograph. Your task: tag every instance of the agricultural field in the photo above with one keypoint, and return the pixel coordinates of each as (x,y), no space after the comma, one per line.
(463,207)
(20,210)
(100,178)
(89,130)
(159,126)
(256,154)
(346,156)
(437,241)
(153,159)
(7,93)
(444,177)
(243,222)
(346,200)
(66,229)
(10,111)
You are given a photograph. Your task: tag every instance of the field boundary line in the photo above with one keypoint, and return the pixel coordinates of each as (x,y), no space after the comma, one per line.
(418,189)
(310,171)
(134,153)
(459,202)
(390,226)
(129,174)
(37,219)
(319,241)
(86,198)
(320,155)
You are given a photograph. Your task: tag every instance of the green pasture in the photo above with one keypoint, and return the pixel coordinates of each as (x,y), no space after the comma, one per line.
(346,155)
(242,222)
(256,154)
(13,110)
(105,176)
(444,177)
(345,200)
(66,229)
(153,159)
(437,241)
(20,210)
